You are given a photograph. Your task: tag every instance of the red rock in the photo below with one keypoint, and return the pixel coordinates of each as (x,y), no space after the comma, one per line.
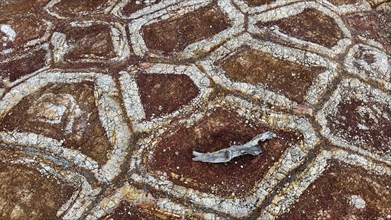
(21,188)
(306,26)
(175,34)
(63,112)
(220,129)
(344,191)
(277,75)
(162,94)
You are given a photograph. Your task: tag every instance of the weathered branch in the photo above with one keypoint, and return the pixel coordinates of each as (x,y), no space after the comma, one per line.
(227,154)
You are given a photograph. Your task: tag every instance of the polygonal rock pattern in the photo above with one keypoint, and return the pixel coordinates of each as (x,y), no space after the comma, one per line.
(129,202)
(168,36)
(19,32)
(22,186)
(369,63)
(40,190)
(22,26)
(92,41)
(63,112)
(102,104)
(336,185)
(355,192)
(24,32)
(376,26)
(326,35)
(169,164)
(68,120)
(14,70)
(271,72)
(89,42)
(154,93)
(358,117)
(308,25)
(185,36)
(218,129)
(255,67)
(162,93)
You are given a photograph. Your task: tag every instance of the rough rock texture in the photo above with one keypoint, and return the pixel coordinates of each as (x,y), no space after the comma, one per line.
(356,194)
(27,194)
(102,103)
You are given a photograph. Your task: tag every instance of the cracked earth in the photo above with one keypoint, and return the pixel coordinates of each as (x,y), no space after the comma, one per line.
(102,103)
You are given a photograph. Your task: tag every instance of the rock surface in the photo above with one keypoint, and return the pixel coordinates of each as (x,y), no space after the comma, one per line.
(103,102)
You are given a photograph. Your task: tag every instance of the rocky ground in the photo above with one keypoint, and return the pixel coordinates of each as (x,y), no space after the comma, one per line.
(102,103)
